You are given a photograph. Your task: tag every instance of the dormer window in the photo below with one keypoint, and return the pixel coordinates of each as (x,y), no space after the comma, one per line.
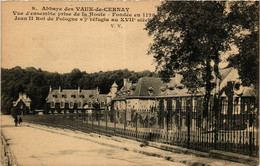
(81,96)
(162,89)
(64,96)
(91,95)
(73,96)
(171,88)
(180,87)
(54,95)
(150,89)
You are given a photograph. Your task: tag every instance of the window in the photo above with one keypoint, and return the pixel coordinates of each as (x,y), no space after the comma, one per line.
(79,105)
(73,96)
(64,96)
(82,96)
(178,104)
(180,87)
(102,104)
(71,104)
(62,104)
(184,104)
(52,105)
(173,104)
(89,104)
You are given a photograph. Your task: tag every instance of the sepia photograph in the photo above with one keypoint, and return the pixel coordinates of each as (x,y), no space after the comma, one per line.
(129,83)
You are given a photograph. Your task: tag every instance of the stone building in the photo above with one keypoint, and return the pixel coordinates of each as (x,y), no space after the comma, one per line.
(71,100)
(152,95)
(22,106)
(148,91)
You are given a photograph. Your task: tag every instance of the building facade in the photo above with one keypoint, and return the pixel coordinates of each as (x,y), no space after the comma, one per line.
(172,103)
(74,100)
(22,106)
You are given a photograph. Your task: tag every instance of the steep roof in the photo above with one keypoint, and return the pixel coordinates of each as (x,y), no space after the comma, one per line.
(224,72)
(24,98)
(125,91)
(72,95)
(176,88)
(114,85)
(248,92)
(229,75)
(102,97)
(148,86)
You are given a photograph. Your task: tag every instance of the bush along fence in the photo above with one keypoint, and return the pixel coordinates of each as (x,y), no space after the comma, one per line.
(232,128)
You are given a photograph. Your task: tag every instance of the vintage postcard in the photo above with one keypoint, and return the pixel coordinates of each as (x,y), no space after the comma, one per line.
(129,83)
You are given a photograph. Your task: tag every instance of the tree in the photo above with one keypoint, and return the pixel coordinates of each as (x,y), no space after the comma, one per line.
(74,78)
(188,39)
(245,18)
(36,83)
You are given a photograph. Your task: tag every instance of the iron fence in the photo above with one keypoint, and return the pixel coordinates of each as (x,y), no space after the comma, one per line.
(232,128)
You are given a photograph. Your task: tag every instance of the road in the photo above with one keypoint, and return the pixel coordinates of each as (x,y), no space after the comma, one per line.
(40,145)
(33,146)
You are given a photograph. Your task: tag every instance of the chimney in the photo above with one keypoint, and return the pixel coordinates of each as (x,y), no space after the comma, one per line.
(59,88)
(50,88)
(97,91)
(125,81)
(78,90)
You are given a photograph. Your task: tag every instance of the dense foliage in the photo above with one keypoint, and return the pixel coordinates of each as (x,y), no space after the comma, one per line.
(36,83)
(245,17)
(190,36)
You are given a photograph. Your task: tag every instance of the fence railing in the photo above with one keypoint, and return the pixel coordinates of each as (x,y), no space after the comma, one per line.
(233,126)
(235,131)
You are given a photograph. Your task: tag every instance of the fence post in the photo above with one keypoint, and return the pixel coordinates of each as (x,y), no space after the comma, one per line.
(188,118)
(136,123)
(92,120)
(114,122)
(167,123)
(77,120)
(149,127)
(87,120)
(125,124)
(60,125)
(250,133)
(106,119)
(217,121)
(99,113)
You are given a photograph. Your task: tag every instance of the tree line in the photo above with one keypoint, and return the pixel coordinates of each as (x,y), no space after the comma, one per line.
(36,82)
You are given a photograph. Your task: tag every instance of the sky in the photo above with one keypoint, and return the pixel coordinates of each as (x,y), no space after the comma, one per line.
(62,46)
